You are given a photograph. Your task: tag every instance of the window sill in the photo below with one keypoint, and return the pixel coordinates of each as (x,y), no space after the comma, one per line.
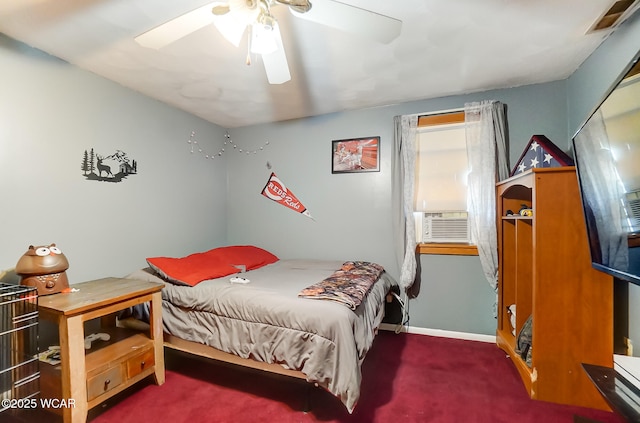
(448,249)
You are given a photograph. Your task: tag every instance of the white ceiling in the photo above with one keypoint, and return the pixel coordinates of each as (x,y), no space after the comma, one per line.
(446,47)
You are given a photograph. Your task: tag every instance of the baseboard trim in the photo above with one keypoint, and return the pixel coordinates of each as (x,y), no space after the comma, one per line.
(440,333)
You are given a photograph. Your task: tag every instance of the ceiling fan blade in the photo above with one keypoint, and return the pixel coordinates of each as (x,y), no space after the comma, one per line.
(275,64)
(177,28)
(353,19)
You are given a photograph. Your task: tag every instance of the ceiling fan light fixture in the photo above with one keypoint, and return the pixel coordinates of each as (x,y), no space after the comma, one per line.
(244,11)
(263,37)
(230,29)
(266,20)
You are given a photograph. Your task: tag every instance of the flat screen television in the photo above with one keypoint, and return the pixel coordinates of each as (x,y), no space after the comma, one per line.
(607,151)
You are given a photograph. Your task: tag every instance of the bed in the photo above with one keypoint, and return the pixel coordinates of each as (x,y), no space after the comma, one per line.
(261,321)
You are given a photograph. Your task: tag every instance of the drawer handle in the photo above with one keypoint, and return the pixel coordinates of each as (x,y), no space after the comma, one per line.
(106,383)
(142,364)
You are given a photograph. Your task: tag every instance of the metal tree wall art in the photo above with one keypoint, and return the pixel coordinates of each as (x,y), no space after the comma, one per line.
(112,168)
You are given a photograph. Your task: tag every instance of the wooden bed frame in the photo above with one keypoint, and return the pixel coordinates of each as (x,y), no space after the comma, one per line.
(202,350)
(196,348)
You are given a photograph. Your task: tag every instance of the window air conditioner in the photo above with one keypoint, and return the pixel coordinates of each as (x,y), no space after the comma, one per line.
(633,211)
(445,226)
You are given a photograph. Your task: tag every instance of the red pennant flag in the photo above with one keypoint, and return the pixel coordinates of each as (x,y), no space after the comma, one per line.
(278,192)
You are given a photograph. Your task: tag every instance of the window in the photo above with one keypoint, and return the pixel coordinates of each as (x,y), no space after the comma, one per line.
(441,168)
(441,183)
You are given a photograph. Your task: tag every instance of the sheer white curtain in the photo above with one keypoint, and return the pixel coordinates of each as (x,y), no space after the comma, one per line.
(599,176)
(486,150)
(403,171)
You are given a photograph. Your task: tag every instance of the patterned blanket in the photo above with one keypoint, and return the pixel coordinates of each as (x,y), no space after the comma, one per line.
(348,285)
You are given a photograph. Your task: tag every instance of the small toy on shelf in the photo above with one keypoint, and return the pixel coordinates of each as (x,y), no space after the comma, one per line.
(526,211)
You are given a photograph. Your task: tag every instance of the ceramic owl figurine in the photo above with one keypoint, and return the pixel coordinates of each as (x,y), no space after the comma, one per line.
(43,267)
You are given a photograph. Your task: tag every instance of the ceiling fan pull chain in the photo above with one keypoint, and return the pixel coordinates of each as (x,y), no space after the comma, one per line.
(248,59)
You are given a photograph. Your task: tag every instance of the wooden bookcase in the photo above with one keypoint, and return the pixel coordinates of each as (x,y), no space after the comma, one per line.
(545,270)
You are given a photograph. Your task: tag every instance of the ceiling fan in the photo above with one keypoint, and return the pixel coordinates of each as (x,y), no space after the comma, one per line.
(233,17)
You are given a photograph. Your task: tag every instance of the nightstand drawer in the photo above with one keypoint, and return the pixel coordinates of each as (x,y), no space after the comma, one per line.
(103,382)
(140,362)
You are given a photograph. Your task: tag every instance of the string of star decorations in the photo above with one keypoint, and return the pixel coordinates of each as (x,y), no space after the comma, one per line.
(227,142)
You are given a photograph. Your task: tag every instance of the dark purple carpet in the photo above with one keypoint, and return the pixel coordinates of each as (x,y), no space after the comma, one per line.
(408,378)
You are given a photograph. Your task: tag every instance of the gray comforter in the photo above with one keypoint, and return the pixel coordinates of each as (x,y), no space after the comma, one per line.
(266,321)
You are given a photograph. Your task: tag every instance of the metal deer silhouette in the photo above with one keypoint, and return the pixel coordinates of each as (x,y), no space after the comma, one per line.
(103,168)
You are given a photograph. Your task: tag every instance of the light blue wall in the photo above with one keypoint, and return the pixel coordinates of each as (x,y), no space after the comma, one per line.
(50,113)
(353,211)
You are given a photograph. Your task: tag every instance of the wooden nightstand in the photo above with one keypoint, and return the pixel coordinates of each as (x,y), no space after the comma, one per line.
(87,379)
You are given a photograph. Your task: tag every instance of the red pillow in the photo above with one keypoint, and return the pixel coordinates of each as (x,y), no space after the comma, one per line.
(192,269)
(246,255)
(216,263)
